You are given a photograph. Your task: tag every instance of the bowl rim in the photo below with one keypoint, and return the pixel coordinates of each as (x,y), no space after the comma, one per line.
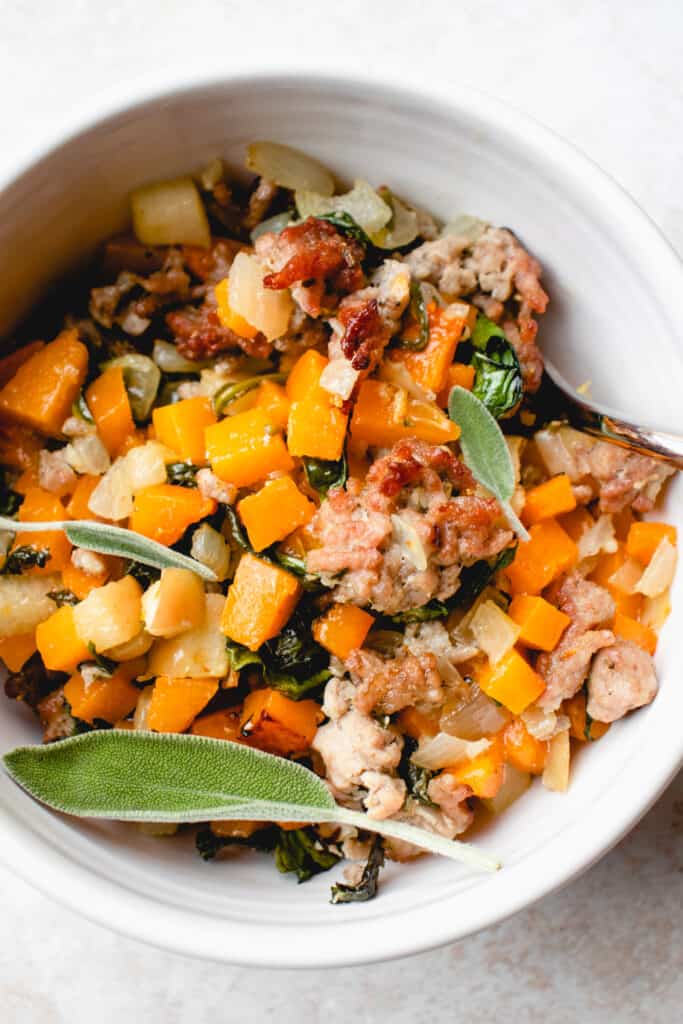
(46,866)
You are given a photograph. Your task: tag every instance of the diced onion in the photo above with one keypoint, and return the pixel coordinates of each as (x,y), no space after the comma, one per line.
(556,771)
(170,213)
(445,751)
(169,360)
(211,549)
(141,467)
(24,603)
(554,453)
(264,308)
(275,224)
(339,378)
(142,378)
(515,784)
(543,725)
(627,577)
(408,540)
(493,630)
(473,716)
(401,229)
(659,573)
(87,454)
(656,610)
(598,537)
(465,226)
(363,203)
(288,167)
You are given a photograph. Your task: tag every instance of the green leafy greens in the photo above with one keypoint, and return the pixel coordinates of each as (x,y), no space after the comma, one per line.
(182,474)
(498,380)
(345,223)
(366,888)
(485,450)
(418,309)
(25,557)
(322,474)
(300,850)
(140,776)
(235,389)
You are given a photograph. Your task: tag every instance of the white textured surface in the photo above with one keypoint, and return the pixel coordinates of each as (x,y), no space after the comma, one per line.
(608,948)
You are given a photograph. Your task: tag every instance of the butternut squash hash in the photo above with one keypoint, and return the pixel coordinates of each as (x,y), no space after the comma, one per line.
(258,376)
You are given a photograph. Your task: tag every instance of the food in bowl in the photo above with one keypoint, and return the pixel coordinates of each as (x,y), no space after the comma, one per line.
(290,395)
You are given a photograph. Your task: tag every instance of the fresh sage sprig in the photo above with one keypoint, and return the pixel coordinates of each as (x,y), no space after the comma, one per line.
(114,540)
(143,776)
(485,451)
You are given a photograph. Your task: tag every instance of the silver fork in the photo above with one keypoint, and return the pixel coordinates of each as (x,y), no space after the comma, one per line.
(608,425)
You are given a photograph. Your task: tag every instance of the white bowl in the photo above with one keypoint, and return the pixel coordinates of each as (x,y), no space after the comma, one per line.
(612,279)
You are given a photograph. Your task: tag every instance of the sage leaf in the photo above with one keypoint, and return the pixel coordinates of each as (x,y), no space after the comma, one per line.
(143,776)
(114,540)
(485,451)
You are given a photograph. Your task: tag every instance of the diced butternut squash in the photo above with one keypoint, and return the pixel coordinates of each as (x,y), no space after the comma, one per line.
(579,727)
(176,703)
(246,448)
(108,402)
(42,506)
(273,399)
(29,479)
(227,315)
(629,629)
(181,427)
(19,446)
(81,583)
(108,699)
(512,682)
(260,600)
(576,522)
(484,773)
(275,723)
(197,653)
(644,539)
(78,507)
(541,624)
(174,604)
(384,414)
(543,558)
(429,368)
(523,750)
(608,565)
(42,391)
(59,643)
(164,511)
(16,650)
(110,615)
(274,512)
(552,498)
(220,725)
(416,724)
(11,363)
(316,427)
(304,378)
(458,375)
(342,629)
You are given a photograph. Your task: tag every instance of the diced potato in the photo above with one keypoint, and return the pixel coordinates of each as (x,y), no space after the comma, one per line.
(198,653)
(110,615)
(174,604)
(135,648)
(24,603)
(170,213)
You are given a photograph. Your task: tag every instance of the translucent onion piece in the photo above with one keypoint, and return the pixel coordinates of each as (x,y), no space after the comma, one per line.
(659,574)
(265,309)
(627,577)
(473,716)
(274,224)
(407,538)
(141,467)
(339,378)
(464,226)
(556,771)
(169,360)
(170,213)
(555,454)
(87,454)
(401,229)
(515,784)
(656,610)
(597,538)
(445,751)
(142,378)
(197,653)
(211,549)
(543,725)
(289,167)
(493,630)
(363,203)
(24,603)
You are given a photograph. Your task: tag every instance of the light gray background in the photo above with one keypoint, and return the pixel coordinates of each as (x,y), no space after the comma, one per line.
(608,76)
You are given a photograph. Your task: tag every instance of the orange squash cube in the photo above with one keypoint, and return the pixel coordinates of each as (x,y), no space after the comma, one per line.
(523,750)
(42,506)
(10,364)
(415,724)
(42,391)
(543,558)
(176,703)
(181,425)
(58,643)
(227,315)
(261,598)
(576,522)
(430,367)
(78,507)
(342,629)
(304,378)
(220,725)
(19,446)
(512,682)
(549,499)
(644,539)
(16,650)
(484,773)
(108,402)
(317,428)
(627,628)
(108,699)
(81,583)
(575,709)
(384,414)
(275,723)
(246,448)
(541,624)
(459,375)
(274,512)
(273,399)
(164,511)
(608,565)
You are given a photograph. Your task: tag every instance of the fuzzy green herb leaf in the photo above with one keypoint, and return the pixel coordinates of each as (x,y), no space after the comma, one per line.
(485,451)
(140,776)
